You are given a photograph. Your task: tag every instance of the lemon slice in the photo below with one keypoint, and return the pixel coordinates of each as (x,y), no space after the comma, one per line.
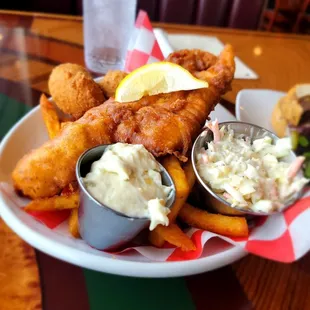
(156,78)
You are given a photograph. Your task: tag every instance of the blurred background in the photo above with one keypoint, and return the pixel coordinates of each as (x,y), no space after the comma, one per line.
(268,15)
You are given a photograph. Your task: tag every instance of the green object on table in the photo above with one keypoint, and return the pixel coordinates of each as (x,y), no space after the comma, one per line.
(294,139)
(10,112)
(307,155)
(303,141)
(307,170)
(115,292)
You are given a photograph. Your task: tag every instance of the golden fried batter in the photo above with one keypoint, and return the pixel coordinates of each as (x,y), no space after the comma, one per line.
(73,89)
(193,60)
(164,124)
(110,82)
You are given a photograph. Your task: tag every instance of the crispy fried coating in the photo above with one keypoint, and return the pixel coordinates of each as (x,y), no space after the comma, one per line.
(164,124)
(110,82)
(194,60)
(74,90)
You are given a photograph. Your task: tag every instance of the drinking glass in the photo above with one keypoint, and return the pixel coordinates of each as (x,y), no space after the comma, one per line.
(108,25)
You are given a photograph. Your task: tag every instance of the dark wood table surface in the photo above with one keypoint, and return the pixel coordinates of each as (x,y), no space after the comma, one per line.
(31,44)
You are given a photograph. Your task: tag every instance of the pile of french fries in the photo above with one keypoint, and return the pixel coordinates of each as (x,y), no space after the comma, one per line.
(184,180)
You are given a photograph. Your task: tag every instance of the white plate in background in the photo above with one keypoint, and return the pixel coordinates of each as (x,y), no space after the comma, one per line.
(255,106)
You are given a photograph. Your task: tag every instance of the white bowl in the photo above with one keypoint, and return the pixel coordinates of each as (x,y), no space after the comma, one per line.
(29,133)
(255,106)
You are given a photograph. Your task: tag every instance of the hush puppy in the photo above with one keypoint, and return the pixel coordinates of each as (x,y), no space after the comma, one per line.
(73,89)
(110,82)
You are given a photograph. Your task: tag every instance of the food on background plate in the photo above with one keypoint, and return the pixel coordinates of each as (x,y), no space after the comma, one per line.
(291,116)
(292,111)
(249,174)
(74,90)
(127,179)
(164,124)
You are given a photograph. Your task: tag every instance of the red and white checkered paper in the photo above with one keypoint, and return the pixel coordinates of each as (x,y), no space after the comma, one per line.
(283,237)
(143,47)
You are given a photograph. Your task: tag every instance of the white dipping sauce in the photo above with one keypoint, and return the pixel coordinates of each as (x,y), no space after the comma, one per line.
(127,179)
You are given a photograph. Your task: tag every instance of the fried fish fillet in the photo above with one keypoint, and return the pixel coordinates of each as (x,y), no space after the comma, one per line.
(164,124)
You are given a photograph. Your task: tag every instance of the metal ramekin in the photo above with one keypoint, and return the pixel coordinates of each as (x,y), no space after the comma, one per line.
(212,199)
(100,226)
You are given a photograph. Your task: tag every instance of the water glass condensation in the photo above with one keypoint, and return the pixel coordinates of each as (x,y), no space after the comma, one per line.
(108,25)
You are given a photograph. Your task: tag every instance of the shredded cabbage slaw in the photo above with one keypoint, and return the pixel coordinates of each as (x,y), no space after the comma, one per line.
(249,174)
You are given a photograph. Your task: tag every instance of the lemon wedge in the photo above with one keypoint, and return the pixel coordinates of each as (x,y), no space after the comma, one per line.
(156,78)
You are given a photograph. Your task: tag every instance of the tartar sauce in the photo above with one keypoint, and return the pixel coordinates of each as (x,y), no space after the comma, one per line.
(127,179)
(249,174)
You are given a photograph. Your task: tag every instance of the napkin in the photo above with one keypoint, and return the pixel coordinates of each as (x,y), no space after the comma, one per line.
(283,237)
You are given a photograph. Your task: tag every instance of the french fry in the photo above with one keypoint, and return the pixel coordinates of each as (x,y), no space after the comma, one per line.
(217,223)
(175,236)
(190,174)
(184,181)
(54,203)
(50,117)
(182,188)
(74,223)
(156,237)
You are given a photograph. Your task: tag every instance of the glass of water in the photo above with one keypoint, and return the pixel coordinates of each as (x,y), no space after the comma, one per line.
(108,25)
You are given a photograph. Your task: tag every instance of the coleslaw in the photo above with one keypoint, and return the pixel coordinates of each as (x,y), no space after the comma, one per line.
(250,174)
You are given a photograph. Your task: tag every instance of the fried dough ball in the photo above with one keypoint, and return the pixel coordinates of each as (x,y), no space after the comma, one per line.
(278,121)
(289,110)
(110,82)
(73,89)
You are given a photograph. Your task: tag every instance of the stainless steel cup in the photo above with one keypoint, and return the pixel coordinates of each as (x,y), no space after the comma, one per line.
(211,198)
(101,227)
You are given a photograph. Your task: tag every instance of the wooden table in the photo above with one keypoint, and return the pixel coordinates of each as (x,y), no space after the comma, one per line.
(32,44)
